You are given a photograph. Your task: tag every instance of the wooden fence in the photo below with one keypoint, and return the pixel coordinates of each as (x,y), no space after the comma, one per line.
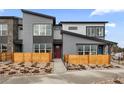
(32,57)
(26,57)
(6,57)
(87,59)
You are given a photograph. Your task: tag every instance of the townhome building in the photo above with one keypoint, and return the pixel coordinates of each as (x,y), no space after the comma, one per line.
(36,32)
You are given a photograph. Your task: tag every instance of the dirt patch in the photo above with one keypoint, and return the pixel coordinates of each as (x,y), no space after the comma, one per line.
(90,67)
(111,81)
(26,68)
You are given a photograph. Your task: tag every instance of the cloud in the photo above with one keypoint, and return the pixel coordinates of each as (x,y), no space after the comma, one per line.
(105,11)
(111,25)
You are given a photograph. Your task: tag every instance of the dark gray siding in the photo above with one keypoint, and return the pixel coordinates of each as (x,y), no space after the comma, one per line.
(42,39)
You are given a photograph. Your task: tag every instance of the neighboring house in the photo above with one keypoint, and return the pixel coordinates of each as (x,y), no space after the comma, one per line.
(37,32)
(9,33)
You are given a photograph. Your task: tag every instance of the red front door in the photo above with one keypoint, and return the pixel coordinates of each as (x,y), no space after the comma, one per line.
(57,51)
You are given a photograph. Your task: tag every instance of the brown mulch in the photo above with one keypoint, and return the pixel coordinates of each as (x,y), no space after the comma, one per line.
(26,68)
(90,67)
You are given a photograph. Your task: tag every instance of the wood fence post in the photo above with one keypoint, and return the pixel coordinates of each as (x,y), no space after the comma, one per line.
(31,57)
(88,60)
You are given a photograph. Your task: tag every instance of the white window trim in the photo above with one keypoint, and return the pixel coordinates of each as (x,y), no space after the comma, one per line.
(90,52)
(45,25)
(42,49)
(91,29)
(1,30)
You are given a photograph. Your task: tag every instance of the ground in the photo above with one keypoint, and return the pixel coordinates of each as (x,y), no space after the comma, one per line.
(72,77)
(61,76)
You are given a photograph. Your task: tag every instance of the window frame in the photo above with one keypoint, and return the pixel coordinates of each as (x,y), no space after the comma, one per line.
(39,29)
(94,29)
(84,49)
(43,49)
(3,30)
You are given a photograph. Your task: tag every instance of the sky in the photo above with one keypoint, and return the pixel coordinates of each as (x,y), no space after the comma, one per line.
(115,17)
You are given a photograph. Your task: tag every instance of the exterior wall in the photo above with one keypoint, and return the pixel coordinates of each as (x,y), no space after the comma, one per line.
(8,39)
(81,27)
(28,39)
(57,32)
(69,43)
(20,34)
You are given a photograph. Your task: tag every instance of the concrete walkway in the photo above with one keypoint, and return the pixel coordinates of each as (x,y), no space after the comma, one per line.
(59,67)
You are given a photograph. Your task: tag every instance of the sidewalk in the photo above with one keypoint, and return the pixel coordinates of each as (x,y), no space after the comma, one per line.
(58,66)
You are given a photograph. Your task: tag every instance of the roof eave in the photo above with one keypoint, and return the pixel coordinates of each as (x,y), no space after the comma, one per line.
(80,22)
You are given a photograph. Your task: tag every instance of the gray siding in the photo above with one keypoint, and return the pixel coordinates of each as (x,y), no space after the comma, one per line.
(28,21)
(69,43)
(57,32)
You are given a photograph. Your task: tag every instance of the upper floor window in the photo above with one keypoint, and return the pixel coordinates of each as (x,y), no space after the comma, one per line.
(72,28)
(95,30)
(42,30)
(3,29)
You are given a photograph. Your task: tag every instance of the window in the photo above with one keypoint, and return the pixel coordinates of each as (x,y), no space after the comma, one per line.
(93,49)
(42,30)
(43,47)
(3,29)
(3,47)
(87,49)
(95,31)
(72,28)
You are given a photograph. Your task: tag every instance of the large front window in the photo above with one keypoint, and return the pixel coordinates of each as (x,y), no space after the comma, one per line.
(42,47)
(95,31)
(42,29)
(3,47)
(87,49)
(3,29)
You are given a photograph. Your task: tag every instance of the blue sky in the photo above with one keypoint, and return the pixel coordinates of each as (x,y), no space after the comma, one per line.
(114,29)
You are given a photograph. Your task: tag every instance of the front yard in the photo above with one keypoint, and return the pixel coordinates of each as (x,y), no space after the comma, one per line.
(25,68)
(90,67)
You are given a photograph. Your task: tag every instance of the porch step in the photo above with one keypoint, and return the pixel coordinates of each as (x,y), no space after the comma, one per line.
(59,67)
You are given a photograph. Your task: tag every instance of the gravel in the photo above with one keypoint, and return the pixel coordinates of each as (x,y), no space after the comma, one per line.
(25,68)
(111,81)
(91,67)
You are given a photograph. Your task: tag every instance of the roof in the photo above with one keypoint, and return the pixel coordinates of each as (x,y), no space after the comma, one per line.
(87,37)
(79,22)
(10,17)
(39,14)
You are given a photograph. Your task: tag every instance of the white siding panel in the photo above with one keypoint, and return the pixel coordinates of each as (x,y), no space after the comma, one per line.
(81,27)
